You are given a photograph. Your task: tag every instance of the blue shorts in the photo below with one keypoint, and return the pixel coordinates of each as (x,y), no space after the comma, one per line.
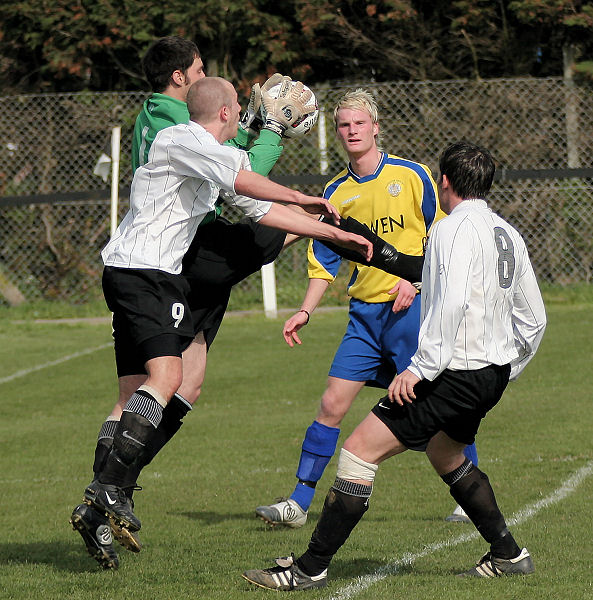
(378,343)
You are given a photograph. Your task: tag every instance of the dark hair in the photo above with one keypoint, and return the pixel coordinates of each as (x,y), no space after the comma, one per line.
(469,169)
(165,56)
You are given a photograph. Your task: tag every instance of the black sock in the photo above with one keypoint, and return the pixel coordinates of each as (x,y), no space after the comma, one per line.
(344,506)
(104,443)
(471,489)
(137,426)
(170,424)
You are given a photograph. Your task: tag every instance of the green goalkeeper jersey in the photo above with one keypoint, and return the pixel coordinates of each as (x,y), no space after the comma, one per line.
(160,111)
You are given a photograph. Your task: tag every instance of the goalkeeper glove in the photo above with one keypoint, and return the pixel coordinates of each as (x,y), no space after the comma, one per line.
(273,80)
(252,120)
(288,108)
(385,256)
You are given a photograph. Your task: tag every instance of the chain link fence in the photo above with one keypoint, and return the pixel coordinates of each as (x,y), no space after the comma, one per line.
(54,213)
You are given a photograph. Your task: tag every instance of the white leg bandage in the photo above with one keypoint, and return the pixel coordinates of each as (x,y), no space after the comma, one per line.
(350,467)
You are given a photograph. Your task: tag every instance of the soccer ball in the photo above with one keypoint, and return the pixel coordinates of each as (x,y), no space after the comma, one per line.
(304,125)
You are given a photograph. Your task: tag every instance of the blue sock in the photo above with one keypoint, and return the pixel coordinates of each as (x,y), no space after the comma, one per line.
(319,446)
(303,495)
(471,453)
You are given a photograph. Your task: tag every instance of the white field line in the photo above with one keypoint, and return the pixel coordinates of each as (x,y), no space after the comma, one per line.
(364,582)
(53,363)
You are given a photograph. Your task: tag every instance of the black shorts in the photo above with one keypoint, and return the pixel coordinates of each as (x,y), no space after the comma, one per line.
(455,402)
(221,255)
(151,316)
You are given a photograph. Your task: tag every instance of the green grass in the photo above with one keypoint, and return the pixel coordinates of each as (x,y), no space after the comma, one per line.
(248,296)
(239,448)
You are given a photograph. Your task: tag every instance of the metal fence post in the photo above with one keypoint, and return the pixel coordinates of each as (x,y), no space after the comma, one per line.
(115,145)
(268,283)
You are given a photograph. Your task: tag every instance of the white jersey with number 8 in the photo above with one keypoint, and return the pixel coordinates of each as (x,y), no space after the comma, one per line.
(481,303)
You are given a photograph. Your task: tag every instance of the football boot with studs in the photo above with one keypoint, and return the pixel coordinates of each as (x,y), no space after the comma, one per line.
(285,512)
(492,566)
(95,531)
(285,577)
(113,502)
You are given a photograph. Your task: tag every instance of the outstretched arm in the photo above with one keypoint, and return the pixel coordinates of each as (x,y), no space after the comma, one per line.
(385,256)
(281,217)
(253,185)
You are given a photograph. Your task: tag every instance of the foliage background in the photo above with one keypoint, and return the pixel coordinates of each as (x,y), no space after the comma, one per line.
(60,45)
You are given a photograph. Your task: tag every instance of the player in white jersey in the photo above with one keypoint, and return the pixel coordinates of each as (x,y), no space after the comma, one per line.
(483,320)
(221,255)
(171,194)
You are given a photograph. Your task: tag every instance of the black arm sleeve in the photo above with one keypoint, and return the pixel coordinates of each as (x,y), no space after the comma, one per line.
(385,256)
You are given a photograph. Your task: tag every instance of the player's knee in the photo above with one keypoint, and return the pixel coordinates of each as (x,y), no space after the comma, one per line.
(444,463)
(191,386)
(165,385)
(352,468)
(333,408)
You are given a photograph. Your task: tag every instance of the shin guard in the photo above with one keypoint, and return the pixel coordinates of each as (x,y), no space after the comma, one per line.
(104,443)
(130,443)
(319,446)
(341,513)
(471,489)
(170,424)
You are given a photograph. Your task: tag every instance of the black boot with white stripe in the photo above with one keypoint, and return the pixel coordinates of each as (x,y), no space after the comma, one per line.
(491,566)
(285,577)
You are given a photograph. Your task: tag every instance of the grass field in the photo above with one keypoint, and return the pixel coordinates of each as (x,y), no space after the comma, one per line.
(239,449)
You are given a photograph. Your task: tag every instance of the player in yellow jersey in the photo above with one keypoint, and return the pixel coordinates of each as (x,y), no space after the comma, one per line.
(397,199)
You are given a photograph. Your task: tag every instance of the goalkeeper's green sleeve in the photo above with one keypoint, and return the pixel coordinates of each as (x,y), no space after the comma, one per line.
(385,256)
(265,151)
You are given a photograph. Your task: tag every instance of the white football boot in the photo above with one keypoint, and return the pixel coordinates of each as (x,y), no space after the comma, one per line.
(286,512)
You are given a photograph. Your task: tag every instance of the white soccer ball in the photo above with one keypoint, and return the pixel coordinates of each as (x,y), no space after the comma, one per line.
(304,125)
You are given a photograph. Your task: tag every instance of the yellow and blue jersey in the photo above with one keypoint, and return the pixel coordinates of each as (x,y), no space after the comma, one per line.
(399,202)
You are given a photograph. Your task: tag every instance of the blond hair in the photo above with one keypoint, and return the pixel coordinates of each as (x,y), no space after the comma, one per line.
(358,99)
